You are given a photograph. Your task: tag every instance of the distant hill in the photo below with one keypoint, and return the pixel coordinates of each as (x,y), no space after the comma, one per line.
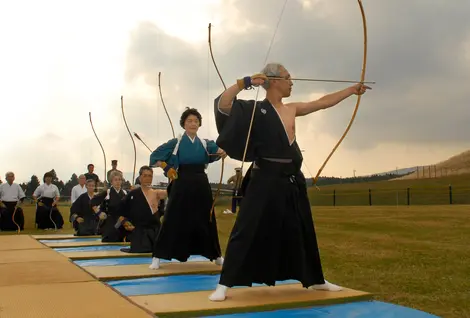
(399,172)
(455,165)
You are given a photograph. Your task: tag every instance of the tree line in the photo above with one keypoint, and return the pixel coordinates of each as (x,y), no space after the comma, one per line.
(65,189)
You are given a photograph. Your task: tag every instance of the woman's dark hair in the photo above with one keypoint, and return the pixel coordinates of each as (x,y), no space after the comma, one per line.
(190,111)
(47,174)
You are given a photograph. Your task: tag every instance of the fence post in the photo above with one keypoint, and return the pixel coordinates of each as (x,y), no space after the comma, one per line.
(450,194)
(334,197)
(370,197)
(408,196)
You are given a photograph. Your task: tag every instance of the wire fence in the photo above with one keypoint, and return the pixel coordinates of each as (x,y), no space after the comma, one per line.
(408,196)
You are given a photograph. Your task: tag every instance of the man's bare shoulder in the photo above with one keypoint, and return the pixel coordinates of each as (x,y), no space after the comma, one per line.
(293,105)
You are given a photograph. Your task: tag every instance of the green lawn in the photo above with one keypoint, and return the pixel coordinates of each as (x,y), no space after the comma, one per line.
(416,256)
(432,191)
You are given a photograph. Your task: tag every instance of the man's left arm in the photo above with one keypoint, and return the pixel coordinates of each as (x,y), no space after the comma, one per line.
(329,100)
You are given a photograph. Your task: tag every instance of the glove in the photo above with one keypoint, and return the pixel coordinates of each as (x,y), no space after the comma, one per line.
(169,171)
(128,226)
(102,216)
(246,82)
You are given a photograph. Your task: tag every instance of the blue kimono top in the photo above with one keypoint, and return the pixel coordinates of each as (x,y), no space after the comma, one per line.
(183,150)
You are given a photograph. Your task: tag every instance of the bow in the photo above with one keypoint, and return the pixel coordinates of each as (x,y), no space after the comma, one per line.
(13,219)
(163,103)
(133,142)
(219,186)
(363,73)
(102,149)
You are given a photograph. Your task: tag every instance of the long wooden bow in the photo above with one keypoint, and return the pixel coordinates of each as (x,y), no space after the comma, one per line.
(219,186)
(102,149)
(133,142)
(163,103)
(363,74)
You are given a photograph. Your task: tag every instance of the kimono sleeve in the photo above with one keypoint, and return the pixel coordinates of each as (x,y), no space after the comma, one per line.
(76,209)
(125,205)
(212,149)
(99,198)
(163,152)
(233,129)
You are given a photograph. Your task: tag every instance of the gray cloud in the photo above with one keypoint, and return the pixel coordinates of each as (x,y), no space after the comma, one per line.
(415,54)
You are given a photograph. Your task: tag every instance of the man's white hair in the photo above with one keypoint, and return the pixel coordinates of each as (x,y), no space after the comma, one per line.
(8,173)
(271,69)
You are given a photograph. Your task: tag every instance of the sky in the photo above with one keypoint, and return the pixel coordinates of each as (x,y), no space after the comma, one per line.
(61,60)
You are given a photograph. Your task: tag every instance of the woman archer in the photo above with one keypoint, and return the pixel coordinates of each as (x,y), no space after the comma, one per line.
(47,196)
(189,226)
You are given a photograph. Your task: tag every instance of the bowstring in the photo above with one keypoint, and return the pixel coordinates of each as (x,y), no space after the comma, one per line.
(258,89)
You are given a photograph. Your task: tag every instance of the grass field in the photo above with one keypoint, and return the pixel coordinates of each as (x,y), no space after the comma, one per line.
(416,256)
(431,191)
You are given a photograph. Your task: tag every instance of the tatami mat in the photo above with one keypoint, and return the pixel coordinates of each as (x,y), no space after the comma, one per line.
(143,270)
(18,242)
(244,299)
(41,273)
(32,256)
(80,244)
(101,254)
(68,300)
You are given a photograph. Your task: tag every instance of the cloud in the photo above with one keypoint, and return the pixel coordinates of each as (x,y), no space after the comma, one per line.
(418,53)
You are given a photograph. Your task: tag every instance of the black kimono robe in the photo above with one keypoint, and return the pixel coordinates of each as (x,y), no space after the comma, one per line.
(109,201)
(83,208)
(135,209)
(273,238)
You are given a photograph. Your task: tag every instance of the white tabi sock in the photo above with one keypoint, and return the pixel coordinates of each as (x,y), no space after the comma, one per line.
(326,286)
(155,263)
(219,294)
(219,261)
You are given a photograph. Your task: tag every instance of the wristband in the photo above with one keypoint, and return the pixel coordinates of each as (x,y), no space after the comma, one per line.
(244,83)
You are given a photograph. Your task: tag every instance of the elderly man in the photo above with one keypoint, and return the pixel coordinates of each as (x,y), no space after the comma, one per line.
(273,238)
(11,196)
(79,189)
(139,213)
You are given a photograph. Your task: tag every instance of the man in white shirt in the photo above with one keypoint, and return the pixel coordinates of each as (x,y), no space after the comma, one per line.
(11,196)
(79,189)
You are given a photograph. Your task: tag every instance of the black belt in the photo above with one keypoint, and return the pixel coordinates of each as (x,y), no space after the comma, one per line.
(193,168)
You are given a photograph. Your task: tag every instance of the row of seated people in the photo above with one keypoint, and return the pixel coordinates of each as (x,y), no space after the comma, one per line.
(120,216)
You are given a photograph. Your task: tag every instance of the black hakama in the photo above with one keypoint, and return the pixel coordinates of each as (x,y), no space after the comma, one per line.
(6,217)
(135,208)
(187,229)
(48,216)
(110,206)
(82,208)
(273,238)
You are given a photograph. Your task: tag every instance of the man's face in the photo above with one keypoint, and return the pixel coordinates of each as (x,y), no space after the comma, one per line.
(90,186)
(114,165)
(91,169)
(81,180)
(146,177)
(283,86)
(10,178)
(116,182)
